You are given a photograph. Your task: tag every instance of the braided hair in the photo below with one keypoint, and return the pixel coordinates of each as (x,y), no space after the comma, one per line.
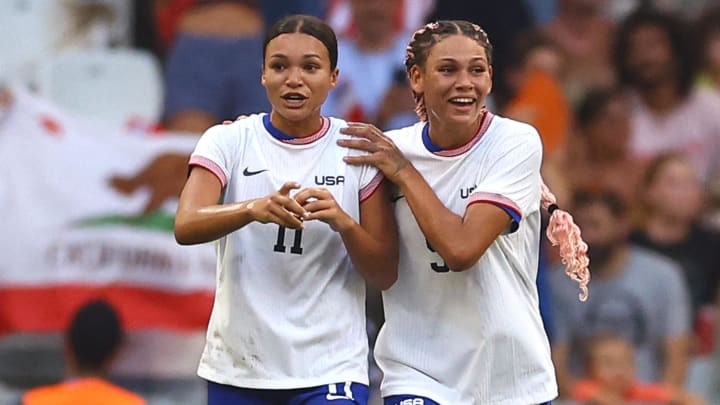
(426,37)
(562,230)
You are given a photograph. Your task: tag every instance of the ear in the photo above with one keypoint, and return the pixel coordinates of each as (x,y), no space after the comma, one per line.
(416,80)
(263,80)
(334,78)
(490,72)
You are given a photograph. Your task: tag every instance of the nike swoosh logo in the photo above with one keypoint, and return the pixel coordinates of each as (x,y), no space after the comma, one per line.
(247,172)
(396,197)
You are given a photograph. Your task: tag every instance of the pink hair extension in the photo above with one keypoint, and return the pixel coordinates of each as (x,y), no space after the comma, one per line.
(563,231)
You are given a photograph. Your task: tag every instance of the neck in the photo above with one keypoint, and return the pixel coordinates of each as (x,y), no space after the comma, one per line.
(715,77)
(661,98)
(604,157)
(667,228)
(576,19)
(452,135)
(298,129)
(606,267)
(374,42)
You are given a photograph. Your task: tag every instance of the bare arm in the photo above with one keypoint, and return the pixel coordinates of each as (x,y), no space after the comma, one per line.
(372,243)
(459,240)
(677,351)
(200,218)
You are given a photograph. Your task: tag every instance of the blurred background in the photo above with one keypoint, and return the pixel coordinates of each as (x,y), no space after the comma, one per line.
(101,102)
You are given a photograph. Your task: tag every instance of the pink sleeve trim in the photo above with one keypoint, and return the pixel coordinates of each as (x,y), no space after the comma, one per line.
(209,165)
(367,191)
(497,199)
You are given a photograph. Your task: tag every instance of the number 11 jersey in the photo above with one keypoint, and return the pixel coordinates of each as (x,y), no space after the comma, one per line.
(289,309)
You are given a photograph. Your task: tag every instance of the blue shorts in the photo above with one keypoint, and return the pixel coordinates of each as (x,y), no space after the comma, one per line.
(216,75)
(344,393)
(415,400)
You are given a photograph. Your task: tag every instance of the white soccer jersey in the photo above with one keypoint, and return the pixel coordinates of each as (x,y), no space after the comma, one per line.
(289,307)
(471,337)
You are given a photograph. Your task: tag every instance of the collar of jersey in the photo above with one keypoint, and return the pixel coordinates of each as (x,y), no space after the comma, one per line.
(437,150)
(289,139)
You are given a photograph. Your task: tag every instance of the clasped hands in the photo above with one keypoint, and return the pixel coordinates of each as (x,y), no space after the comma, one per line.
(312,203)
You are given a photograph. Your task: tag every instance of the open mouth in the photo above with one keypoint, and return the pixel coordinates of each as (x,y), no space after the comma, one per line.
(294,97)
(462,101)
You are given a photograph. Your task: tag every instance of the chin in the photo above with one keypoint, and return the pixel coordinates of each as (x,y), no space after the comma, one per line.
(295,115)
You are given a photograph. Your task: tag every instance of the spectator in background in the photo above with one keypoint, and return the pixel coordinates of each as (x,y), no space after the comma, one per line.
(611,378)
(538,95)
(636,294)
(583,35)
(672,201)
(669,112)
(208,76)
(92,343)
(708,41)
(598,154)
(372,86)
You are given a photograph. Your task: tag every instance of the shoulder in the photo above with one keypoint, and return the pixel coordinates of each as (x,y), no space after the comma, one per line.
(406,134)
(645,259)
(336,124)
(241,126)
(38,395)
(512,131)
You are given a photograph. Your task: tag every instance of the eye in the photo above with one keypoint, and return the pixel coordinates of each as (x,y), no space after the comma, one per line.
(478,70)
(446,69)
(277,66)
(311,67)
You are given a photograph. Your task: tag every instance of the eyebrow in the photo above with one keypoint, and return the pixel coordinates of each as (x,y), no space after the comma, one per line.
(306,56)
(451,59)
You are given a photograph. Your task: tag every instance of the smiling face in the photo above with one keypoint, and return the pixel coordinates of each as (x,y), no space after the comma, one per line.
(297,76)
(454,81)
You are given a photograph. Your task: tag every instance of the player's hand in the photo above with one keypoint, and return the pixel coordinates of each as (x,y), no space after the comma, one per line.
(279,208)
(383,153)
(321,205)
(239,117)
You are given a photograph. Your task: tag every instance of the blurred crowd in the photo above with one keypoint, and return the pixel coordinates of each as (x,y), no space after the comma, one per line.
(624,93)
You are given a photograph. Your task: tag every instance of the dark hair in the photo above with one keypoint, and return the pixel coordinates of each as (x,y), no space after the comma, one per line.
(677,33)
(659,162)
(587,196)
(305,24)
(707,25)
(426,37)
(94,335)
(593,105)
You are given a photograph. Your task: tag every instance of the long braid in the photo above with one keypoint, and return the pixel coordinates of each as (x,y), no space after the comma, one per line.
(423,40)
(563,232)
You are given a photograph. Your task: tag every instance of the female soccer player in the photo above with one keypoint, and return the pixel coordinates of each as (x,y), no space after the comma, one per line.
(288,321)
(462,321)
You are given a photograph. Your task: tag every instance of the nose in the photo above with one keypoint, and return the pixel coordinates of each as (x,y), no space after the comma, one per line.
(463,80)
(294,77)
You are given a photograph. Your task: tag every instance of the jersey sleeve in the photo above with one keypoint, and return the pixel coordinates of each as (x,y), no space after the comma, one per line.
(216,151)
(511,178)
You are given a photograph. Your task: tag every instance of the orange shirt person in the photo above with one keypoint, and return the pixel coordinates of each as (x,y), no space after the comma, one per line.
(91,344)
(611,378)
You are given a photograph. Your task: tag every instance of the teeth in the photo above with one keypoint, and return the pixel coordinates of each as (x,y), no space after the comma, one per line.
(464,100)
(295,97)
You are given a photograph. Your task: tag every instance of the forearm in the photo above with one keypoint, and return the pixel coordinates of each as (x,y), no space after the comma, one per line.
(676,361)
(210,223)
(373,258)
(443,229)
